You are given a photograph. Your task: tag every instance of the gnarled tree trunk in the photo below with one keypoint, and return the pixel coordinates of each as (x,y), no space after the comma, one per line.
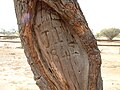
(59,45)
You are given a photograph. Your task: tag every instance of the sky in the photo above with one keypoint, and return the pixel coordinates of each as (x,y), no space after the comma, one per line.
(99,14)
(7,15)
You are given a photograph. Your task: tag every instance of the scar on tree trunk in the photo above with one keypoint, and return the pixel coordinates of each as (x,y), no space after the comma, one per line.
(60,48)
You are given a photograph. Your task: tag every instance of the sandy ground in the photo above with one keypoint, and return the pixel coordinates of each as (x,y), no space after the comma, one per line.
(111,67)
(15,73)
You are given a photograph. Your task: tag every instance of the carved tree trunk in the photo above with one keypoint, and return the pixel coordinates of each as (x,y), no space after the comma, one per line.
(59,45)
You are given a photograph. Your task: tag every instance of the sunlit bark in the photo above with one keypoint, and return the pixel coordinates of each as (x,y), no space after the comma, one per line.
(59,45)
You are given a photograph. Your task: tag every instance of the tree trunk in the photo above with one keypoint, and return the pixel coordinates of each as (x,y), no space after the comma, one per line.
(59,45)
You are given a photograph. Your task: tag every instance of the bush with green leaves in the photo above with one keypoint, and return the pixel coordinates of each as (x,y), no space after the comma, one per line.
(97,35)
(110,33)
(118,36)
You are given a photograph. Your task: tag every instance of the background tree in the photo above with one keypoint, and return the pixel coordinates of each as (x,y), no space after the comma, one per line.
(98,35)
(110,33)
(59,45)
(3,31)
(118,36)
(11,33)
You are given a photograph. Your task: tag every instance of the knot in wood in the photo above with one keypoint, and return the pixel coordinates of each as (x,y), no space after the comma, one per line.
(53,52)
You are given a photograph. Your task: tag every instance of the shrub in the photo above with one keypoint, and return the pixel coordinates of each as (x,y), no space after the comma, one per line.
(110,33)
(118,36)
(97,35)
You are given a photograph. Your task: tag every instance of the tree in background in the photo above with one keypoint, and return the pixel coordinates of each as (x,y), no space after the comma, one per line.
(3,31)
(118,36)
(97,35)
(59,45)
(12,32)
(110,33)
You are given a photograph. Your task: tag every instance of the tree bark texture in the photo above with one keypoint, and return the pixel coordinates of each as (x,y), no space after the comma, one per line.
(59,45)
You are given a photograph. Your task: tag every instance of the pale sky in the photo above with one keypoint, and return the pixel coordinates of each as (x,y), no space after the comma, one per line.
(7,15)
(99,14)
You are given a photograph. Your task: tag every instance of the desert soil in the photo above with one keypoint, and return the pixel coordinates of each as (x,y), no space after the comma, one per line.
(15,73)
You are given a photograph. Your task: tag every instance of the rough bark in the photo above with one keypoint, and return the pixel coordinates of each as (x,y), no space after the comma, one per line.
(59,45)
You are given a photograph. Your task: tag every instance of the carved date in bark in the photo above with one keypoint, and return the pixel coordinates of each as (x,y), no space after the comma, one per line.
(59,45)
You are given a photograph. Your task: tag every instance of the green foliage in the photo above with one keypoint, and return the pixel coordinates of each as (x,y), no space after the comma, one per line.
(97,35)
(118,36)
(110,33)
(11,32)
(3,31)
